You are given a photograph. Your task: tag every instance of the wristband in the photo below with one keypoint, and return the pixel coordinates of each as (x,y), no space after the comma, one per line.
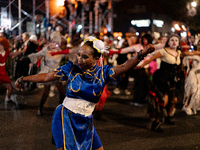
(112,52)
(140,56)
(65,51)
(21,82)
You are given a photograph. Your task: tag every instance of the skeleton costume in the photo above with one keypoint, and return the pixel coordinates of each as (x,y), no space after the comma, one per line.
(192,85)
(49,62)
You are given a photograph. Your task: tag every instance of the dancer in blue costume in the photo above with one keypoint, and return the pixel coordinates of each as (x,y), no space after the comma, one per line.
(72,124)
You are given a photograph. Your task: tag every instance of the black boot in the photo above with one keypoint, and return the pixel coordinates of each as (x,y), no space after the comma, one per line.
(168,121)
(156,127)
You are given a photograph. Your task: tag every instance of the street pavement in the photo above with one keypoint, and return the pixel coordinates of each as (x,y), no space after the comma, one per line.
(123,127)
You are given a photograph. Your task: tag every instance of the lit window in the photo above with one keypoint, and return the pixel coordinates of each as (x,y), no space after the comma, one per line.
(158,23)
(141,23)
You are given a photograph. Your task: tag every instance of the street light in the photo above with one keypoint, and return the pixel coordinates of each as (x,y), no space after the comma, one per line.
(60,2)
(194,4)
(191,13)
(192,8)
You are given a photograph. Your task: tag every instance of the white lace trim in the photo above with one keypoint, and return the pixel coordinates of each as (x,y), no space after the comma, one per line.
(79,106)
(2,64)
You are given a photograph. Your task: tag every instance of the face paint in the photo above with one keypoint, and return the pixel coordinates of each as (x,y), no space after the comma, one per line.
(85,57)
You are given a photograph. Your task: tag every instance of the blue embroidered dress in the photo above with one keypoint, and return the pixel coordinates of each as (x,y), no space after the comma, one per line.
(72,130)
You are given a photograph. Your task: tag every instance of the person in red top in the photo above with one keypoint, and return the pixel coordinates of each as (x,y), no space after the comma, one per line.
(4,54)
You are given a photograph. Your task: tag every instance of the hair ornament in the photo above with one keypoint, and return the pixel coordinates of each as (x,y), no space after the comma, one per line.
(97,44)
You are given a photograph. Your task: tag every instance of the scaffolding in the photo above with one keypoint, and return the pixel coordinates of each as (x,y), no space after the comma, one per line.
(97,17)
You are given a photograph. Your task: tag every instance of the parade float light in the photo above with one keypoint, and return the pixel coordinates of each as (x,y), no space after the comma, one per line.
(117,34)
(141,23)
(79,27)
(81,35)
(119,37)
(60,2)
(177,27)
(184,28)
(172,29)
(184,34)
(158,23)
(105,30)
(194,4)
(115,42)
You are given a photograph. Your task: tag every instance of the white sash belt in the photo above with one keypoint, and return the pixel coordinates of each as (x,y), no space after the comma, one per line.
(79,106)
(2,64)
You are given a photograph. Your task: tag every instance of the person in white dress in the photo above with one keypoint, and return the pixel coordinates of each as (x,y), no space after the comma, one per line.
(191,98)
(50,64)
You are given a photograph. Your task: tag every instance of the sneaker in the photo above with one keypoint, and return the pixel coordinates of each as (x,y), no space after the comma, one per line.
(173,112)
(187,110)
(40,86)
(194,111)
(130,79)
(156,127)
(51,94)
(127,92)
(116,91)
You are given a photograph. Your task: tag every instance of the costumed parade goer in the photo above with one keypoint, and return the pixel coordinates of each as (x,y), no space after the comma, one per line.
(72,124)
(49,65)
(140,76)
(191,100)
(106,93)
(4,78)
(165,80)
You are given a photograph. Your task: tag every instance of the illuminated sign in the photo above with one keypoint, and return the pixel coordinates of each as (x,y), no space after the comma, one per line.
(5,21)
(141,23)
(158,23)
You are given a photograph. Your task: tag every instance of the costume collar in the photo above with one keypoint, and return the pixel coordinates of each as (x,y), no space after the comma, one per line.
(89,73)
(92,69)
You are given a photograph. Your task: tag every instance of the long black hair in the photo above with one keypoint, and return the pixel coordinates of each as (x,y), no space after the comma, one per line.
(148,37)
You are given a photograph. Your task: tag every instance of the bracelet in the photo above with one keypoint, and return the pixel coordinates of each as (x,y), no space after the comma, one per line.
(21,82)
(140,56)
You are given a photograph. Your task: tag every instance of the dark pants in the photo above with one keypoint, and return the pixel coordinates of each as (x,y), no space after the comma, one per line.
(141,85)
(124,81)
(22,67)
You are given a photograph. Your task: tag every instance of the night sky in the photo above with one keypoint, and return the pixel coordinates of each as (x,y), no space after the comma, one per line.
(124,10)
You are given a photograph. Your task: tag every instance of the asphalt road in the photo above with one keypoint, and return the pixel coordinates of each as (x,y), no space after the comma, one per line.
(123,127)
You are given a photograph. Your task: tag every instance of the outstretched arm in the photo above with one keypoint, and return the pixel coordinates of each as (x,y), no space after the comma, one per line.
(155,56)
(187,53)
(112,52)
(38,78)
(14,54)
(65,51)
(131,63)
